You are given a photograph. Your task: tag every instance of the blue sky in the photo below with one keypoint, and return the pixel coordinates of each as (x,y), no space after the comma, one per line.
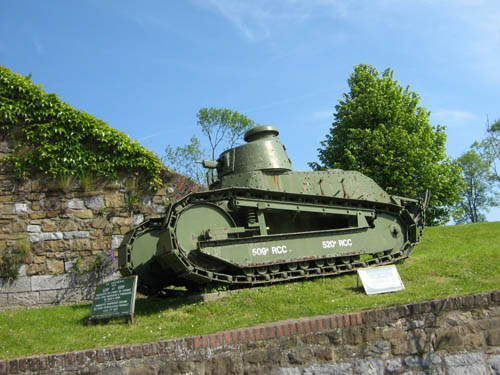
(147,67)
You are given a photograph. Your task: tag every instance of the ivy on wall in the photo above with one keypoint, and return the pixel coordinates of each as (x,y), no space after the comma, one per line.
(54,139)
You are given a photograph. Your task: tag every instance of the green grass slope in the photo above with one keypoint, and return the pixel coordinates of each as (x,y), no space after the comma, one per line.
(450,261)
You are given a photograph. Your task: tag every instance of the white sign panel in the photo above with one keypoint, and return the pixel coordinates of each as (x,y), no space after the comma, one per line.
(383,279)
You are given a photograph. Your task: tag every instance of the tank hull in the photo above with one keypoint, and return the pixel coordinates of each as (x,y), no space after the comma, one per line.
(246,237)
(262,223)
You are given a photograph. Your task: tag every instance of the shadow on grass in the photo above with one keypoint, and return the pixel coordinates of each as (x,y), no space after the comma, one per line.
(357,289)
(144,306)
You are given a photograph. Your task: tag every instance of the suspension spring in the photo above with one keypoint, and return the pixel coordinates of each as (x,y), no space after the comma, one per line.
(252,217)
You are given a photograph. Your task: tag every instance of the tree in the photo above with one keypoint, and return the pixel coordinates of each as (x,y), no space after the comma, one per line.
(222,127)
(476,195)
(490,148)
(380,130)
(186,160)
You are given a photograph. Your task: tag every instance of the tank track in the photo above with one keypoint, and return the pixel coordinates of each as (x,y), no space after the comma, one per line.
(194,274)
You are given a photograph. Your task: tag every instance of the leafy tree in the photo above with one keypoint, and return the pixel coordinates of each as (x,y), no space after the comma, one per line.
(222,127)
(490,148)
(185,159)
(476,195)
(380,130)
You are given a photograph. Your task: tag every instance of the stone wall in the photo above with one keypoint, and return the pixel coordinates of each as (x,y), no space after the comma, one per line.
(63,222)
(459,335)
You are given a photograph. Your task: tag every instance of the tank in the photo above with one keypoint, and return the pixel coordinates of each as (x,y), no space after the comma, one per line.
(260,222)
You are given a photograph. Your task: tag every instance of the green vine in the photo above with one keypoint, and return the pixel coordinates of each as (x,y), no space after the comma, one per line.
(13,258)
(54,139)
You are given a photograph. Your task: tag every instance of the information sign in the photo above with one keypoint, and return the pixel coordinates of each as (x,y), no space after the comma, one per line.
(383,279)
(115,299)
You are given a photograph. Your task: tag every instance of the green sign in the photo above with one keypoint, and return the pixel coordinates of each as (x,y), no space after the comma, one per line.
(115,299)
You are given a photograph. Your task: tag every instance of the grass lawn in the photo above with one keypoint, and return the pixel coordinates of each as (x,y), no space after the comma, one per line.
(450,261)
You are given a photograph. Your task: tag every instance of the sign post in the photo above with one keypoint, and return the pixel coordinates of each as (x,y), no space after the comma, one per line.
(115,299)
(382,279)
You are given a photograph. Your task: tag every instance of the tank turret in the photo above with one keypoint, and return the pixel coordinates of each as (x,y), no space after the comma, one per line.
(262,152)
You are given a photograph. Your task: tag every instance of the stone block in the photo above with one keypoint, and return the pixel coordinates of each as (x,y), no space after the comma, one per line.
(76,234)
(36,206)
(84,214)
(7,209)
(369,366)
(95,202)
(21,284)
(53,204)
(49,226)
(13,237)
(23,268)
(45,236)
(124,230)
(57,245)
(76,204)
(324,354)
(414,324)
(100,244)
(33,228)
(55,266)
(99,222)
(4,300)
(494,364)
(49,282)
(449,339)
(24,298)
(116,240)
(466,363)
(68,226)
(48,297)
(36,269)
(80,244)
(18,226)
(121,221)
(493,337)
(159,208)
(37,215)
(35,196)
(255,357)
(300,356)
(20,208)
(329,369)
(114,199)
(137,219)
(291,371)
(393,365)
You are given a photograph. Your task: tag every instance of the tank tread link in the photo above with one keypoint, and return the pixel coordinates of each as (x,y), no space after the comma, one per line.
(262,223)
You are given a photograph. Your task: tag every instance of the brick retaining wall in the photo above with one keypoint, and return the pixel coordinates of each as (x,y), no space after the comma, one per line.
(457,335)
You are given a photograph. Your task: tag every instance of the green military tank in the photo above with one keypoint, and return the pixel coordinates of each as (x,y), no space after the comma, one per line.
(261,223)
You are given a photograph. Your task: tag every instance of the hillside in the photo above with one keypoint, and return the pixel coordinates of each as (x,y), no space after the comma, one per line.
(450,261)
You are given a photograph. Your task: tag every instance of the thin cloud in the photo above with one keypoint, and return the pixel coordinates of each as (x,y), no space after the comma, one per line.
(453,117)
(284,101)
(257,19)
(481,44)
(323,115)
(39,47)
